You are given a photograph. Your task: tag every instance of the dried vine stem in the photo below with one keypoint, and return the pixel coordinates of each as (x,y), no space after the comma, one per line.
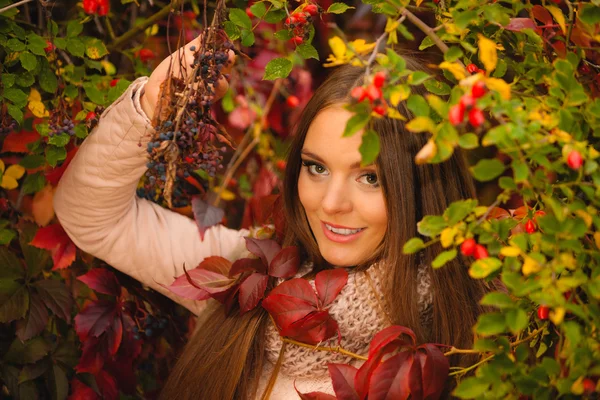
(17,4)
(336,349)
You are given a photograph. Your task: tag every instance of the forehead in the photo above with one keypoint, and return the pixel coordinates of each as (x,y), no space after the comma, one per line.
(324,137)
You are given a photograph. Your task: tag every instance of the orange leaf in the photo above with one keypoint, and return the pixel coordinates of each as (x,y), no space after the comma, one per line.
(55,239)
(17,142)
(42,208)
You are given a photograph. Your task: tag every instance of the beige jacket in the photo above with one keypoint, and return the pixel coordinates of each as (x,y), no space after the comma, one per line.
(96,203)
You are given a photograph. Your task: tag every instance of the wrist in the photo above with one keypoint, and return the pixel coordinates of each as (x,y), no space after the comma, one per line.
(146,106)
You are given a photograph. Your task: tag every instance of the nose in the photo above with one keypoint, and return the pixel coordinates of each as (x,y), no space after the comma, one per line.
(336,199)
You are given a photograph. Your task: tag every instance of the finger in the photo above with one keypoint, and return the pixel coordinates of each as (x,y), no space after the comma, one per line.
(221,89)
(230,62)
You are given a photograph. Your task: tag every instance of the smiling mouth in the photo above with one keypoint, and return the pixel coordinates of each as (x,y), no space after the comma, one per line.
(342,231)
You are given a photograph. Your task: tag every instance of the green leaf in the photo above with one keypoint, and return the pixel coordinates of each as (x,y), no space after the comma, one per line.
(589,14)
(497,299)
(507,183)
(76,47)
(421,124)
(55,154)
(356,123)
(483,267)
(95,48)
(25,80)
(60,140)
(284,34)
(232,31)
(258,9)
(15,112)
(240,18)
(74,28)
(247,38)
(468,141)
(35,321)
(431,225)
(520,171)
(338,8)
(17,96)
(33,371)
(369,147)
(443,258)
(60,43)
(32,161)
(490,324)
(417,105)
(58,382)
(6,236)
(413,245)
(436,87)
(114,92)
(56,297)
(8,80)
(93,93)
(48,80)
(14,303)
(11,266)
(277,68)
(471,388)
(307,51)
(27,353)
(458,210)
(36,44)
(417,78)
(15,45)
(426,43)
(516,320)
(36,259)
(81,131)
(464,19)
(487,169)
(34,182)
(274,16)
(453,54)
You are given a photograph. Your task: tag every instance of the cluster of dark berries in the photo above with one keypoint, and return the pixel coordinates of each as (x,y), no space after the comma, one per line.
(299,21)
(8,127)
(59,127)
(149,327)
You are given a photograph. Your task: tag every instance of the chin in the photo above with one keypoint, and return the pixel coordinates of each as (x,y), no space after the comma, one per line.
(341,260)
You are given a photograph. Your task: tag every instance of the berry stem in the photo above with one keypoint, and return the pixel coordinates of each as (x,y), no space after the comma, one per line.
(17,4)
(336,349)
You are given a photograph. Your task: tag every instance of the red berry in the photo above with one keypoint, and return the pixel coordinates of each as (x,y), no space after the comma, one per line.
(359,93)
(467,101)
(301,17)
(90,6)
(114,82)
(478,89)
(379,110)
(543,312)
(249,12)
(49,46)
(589,386)
(480,252)
(476,117)
(291,20)
(91,115)
(472,68)
(456,114)
(146,55)
(280,164)
(297,40)
(574,160)
(312,9)
(103,7)
(481,71)
(584,69)
(292,101)
(379,79)
(530,226)
(467,248)
(373,92)
(189,159)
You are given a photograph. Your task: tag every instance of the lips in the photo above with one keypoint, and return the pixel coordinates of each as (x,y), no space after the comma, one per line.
(339,238)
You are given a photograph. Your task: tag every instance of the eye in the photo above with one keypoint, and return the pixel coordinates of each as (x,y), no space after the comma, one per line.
(370,179)
(314,168)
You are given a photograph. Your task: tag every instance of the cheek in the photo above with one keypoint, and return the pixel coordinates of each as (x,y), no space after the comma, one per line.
(306,193)
(375,212)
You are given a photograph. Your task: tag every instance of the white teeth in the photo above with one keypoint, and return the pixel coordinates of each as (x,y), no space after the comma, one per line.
(343,231)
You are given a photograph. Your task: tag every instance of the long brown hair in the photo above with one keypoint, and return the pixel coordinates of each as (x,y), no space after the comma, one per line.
(225,357)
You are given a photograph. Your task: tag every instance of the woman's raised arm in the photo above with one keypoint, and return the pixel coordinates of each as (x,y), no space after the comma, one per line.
(96,202)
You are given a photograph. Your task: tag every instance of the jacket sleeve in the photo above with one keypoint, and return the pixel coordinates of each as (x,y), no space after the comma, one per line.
(96,203)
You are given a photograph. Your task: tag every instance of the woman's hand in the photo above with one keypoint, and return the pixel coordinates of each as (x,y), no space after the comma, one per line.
(149,98)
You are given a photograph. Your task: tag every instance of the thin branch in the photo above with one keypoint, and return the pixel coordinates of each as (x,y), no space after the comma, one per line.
(321,348)
(465,370)
(17,4)
(426,29)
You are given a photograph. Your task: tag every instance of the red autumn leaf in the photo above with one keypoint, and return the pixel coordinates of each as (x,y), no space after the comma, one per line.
(205,215)
(182,287)
(329,284)
(53,175)
(388,335)
(115,335)
(279,217)
(217,264)
(241,117)
(314,328)
(252,290)
(314,395)
(342,378)
(518,24)
(247,264)
(364,374)
(542,15)
(102,281)
(108,385)
(286,310)
(265,182)
(17,142)
(80,391)
(266,249)
(286,263)
(91,359)
(297,289)
(264,207)
(390,379)
(209,280)
(95,319)
(434,370)
(55,239)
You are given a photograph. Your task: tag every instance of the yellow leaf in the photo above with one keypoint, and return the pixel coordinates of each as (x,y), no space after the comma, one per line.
(361,46)
(567,260)
(557,315)
(447,236)
(8,182)
(487,53)
(587,218)
(151,30)
(42,207)
(391,25)
(34,95)
(338,47)
(597,239)
(577,387)
(500,86)
(38,109)
(426,153)
(394,113)
(15,171)
(419,2)
(510,251)
(558,16)
(530,266)
(225,194)
(399,93)
(593,153)
(455,69)
(2,167)
(421,124)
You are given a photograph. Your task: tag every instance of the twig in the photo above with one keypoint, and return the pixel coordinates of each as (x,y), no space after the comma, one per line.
(17,4)
(454,350)
(488,211)
(321,348)
(465,370)
(426,29)
(531,336)
(571,21)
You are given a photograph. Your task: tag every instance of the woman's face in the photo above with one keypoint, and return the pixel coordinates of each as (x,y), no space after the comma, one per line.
(343,201)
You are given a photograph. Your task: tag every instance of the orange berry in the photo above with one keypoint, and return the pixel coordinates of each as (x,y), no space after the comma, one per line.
(292,101)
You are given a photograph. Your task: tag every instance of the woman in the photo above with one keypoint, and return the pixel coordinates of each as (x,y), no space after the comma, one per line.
(340,214)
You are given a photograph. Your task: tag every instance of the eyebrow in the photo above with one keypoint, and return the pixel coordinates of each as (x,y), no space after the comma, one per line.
(319,159)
